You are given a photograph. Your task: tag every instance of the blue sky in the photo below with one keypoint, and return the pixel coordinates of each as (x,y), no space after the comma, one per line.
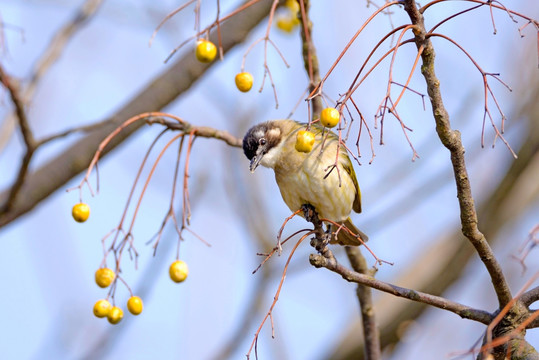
(47,260)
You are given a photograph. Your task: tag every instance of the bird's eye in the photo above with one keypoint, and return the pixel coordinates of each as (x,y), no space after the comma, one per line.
(262,141)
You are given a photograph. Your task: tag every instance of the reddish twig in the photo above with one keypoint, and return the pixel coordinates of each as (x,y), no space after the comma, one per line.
(361,123)
(275,298)
(282,228)
(487,89)
(318,89)
(276,248)
(207,30)
(105,142)
(170,212)
(341,227)
(169,15)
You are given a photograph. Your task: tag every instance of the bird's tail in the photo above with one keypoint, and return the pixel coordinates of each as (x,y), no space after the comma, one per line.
(345,238)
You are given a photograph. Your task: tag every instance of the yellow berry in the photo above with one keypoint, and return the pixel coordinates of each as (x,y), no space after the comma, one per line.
(102,308)
(304,141)
(178,271)
(286,23)
(104,277)
(292,5)
(115,315)
(134,305)
(244,81)
(329,117)
(80,212)
(205,51)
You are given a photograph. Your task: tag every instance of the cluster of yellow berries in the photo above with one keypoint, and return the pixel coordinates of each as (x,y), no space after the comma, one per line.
(114,314)
(104,277)
(206,51)
(289,21)
(329,117)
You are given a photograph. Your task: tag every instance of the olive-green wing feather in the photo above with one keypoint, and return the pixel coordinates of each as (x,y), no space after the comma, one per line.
(345,161)
(349,168)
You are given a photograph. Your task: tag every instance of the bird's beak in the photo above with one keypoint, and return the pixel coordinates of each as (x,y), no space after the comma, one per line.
(254,162)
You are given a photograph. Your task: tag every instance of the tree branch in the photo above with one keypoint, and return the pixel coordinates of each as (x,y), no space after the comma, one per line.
(451,140)
(202,131)
(48,58)
(310,58)
(463,311)
(27,136)
(530,296)
(364,294)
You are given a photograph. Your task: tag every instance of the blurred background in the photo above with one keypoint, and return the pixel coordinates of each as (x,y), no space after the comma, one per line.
(410,210)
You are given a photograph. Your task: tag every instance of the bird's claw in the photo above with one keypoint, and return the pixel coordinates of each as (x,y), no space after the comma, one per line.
(308,212)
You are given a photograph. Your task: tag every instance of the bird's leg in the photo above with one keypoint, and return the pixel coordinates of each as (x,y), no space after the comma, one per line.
(322,238)
(329,233)
(309,213)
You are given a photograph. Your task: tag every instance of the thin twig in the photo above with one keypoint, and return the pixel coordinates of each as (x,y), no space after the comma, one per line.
(275,298)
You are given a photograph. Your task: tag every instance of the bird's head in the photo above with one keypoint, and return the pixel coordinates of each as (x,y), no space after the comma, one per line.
(261,144)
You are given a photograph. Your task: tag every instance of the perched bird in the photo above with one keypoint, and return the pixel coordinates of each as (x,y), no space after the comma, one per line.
(308,178)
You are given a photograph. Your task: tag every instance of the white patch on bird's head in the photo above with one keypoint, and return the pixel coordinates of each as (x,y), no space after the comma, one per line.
(273,133)
(259,133)
(275,138)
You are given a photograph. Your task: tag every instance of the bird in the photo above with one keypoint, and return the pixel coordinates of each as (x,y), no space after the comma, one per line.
(309,178)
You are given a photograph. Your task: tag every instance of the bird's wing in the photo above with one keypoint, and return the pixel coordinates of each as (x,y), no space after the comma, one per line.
(349,168)
(345,238)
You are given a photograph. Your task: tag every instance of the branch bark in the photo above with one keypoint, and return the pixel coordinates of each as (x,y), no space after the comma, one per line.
(463,311)
(371,334)
(451,140)
(310,58)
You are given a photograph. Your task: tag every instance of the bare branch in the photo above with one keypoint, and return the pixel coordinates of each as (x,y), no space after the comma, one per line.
(27,136)
(49,57)
(22,119)
(310,58)
(451,140)
(364,295)
(530,296)
(463,311)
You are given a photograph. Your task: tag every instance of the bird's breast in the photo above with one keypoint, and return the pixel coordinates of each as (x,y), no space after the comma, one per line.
(313,179)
